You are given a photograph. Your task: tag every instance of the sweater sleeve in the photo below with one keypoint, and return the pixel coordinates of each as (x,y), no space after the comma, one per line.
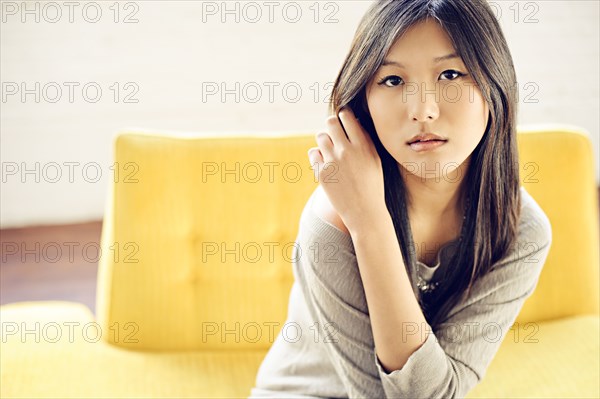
(328,275)
(454,358)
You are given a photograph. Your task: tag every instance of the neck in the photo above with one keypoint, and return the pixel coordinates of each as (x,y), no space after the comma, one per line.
(437,198)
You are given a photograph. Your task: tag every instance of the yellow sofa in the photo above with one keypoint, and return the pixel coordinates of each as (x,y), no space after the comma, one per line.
(195,274)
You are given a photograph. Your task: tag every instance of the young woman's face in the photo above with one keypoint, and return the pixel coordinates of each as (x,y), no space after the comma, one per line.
(424,96)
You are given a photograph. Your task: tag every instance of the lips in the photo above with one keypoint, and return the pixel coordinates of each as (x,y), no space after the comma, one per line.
(426,146)
(423,137)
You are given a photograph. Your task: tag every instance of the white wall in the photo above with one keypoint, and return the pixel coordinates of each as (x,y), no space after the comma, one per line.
(170,52)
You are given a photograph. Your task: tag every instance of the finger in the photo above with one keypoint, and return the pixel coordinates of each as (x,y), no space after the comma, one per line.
(336,131)
(325,146)
(316,160)
(314,155)
(352,126)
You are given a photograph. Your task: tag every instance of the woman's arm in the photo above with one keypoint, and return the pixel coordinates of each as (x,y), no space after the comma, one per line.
(452,359)
(392,304)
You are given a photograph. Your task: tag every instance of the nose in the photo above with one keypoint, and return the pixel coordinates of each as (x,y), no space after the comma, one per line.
(424,107)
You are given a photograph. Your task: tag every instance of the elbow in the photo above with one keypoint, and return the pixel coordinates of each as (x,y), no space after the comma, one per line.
(456,386)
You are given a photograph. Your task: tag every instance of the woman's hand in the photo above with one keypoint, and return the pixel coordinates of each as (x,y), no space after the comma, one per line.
(349,170)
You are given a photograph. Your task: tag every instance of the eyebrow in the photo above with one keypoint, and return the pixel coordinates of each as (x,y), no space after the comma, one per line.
(436,60)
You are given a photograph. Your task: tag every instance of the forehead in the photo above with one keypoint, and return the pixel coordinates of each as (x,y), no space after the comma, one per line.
(426,39)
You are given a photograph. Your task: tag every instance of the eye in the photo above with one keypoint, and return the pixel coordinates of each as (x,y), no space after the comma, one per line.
(452,72)
(391,78)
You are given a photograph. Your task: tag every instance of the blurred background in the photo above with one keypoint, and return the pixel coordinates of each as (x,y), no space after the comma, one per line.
(75,73)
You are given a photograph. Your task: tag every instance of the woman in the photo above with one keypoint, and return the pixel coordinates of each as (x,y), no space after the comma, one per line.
(436,245)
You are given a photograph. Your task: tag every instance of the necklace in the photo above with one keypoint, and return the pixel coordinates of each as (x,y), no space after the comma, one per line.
(428,287)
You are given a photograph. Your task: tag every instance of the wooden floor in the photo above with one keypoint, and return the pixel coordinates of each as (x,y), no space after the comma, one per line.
(50,263)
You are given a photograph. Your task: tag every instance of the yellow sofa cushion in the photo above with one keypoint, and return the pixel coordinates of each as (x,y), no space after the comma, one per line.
(83,367)
(556,359)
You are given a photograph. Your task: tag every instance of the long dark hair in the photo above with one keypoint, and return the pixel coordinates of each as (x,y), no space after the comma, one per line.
(492,178)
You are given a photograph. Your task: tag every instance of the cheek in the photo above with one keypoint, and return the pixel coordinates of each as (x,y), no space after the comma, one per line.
(376,109)
(469,113)
(386,119)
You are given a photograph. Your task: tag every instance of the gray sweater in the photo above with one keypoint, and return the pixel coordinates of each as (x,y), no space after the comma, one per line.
(326,347)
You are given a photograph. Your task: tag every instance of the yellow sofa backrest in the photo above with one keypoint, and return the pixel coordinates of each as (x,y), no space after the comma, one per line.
(205,229)
(199,233)
(557,169)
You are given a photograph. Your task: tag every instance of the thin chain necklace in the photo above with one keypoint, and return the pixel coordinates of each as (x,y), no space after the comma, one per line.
(428,287)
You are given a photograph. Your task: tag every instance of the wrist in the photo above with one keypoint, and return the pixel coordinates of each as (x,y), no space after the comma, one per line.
(367,221)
